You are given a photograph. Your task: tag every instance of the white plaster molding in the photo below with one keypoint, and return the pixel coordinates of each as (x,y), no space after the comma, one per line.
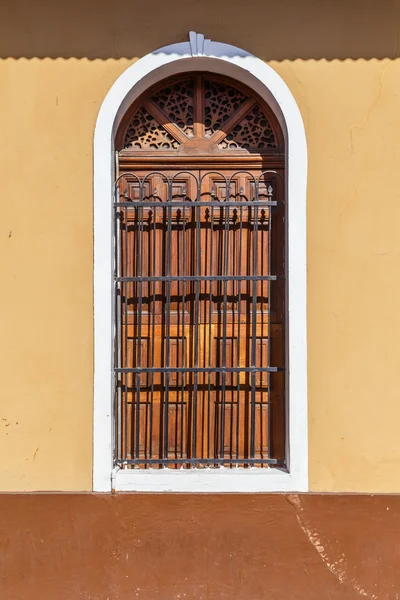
(200,54)
(198,44)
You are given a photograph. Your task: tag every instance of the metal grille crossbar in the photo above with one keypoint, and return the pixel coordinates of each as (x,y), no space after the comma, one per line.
(200,370)
(201,278)
(204,461)
(195,203)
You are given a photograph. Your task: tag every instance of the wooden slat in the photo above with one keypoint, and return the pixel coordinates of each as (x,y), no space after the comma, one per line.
(199,107)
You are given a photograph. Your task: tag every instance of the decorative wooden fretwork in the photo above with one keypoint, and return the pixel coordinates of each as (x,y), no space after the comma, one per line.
(144,132)
(220,102)
(199,114)
(176,102)
(254,131)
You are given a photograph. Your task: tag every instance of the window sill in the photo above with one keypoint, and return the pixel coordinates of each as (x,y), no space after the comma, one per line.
(207,480)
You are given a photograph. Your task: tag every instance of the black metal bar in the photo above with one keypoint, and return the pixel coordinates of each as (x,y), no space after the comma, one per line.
(125,296)
(200,369)
(239,324)
(118,335)
(201,461)
(139,228)
(168,318)
(201,203)
(283,320)
(196,322)
(183,381)
(224,322)
(210,341)
(254,330)
(269,424)
(201,278)
(153,325)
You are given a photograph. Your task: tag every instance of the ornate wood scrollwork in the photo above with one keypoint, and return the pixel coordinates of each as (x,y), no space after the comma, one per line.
(176,102)
(254,131)
(220,102)
(144,132)
(200,112)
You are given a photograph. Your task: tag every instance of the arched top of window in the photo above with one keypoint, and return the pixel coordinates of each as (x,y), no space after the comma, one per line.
(198,114)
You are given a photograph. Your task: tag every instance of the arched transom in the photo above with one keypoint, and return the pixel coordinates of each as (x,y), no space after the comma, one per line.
(202,112)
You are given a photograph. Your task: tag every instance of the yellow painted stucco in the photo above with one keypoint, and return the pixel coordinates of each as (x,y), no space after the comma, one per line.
(57,62)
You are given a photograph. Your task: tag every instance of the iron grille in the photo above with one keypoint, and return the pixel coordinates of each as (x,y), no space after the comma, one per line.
(199,280)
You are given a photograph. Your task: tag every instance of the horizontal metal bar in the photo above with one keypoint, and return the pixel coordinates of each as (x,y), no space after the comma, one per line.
(194,203)
(201,278)
(200,370)
(199,461)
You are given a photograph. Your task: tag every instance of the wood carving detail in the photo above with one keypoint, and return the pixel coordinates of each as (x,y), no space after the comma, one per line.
(253,132)
(220,102)
(193,114)
(176,102)
(145,132)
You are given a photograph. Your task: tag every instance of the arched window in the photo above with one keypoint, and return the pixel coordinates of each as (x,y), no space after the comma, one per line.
(200,279)
(207,356)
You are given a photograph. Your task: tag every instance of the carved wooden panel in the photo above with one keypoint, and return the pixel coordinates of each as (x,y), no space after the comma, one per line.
(220,102)
(175,358)
(261,360)
(199,114)
(253,132)
(226,347)
(135,352)
(176,102)
(145,132)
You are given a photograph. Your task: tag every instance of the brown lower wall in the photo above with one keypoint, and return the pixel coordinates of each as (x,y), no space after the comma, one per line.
(250,547)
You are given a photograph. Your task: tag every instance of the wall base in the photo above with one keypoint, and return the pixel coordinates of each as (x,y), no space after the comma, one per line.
(175,546)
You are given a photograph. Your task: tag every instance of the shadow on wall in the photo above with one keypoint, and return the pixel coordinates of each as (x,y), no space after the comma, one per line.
(307,29)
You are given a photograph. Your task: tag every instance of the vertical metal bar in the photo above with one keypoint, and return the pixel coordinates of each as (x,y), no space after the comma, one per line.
(168,315)
(269,429)
(153,318)
(232,287)
(183,318)
(196,319)
(282,209)
(139,285)
(210,341)
(254,325)
(125,290)
(118,325)
(239,318)
(224,318)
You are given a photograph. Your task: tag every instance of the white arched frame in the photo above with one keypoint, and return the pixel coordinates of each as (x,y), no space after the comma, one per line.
(205,55)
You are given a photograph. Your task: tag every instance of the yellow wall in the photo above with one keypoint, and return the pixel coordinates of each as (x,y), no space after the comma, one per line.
(57,62)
